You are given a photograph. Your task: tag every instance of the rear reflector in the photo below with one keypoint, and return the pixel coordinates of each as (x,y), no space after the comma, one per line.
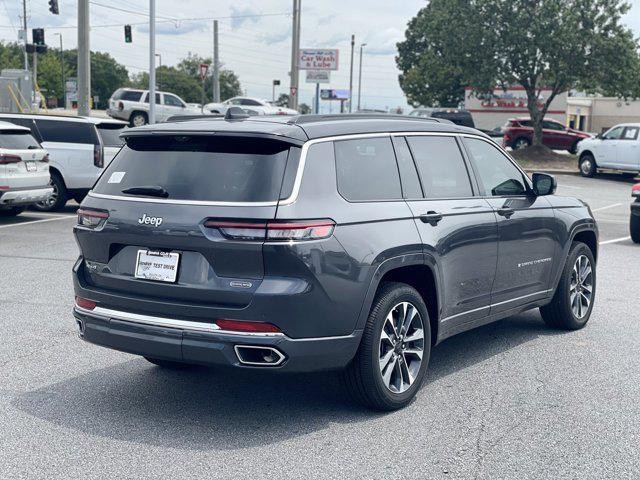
(242,326)
(274,231)
(84,303)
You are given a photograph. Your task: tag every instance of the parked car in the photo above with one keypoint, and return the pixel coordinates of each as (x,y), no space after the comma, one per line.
(257,105)
(132,105)
(109,131)
(76,154)
(617,149)
(322,242)
(455,115)
(518,134)
(24,170)
(634,222)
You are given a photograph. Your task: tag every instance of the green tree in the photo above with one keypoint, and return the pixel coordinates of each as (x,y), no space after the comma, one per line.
(556,44)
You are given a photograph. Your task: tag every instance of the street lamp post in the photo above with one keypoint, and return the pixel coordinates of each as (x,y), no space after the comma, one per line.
(64,89)
(362,45)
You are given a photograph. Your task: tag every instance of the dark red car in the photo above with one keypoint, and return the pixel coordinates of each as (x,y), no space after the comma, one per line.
(518,133)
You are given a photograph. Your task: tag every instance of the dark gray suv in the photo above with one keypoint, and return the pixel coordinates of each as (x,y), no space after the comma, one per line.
(352,242)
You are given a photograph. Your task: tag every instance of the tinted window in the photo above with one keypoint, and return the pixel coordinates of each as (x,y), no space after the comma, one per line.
(67,132)
(129,95)
(408,175)
(172,101)
(249,102)
(496,173)
(199,168)
(552,125)
(524,123)
(110,134)
(366,169)
(630,133)
(441,167)
(17,140)
(146,98)
(23,122)
(614,133)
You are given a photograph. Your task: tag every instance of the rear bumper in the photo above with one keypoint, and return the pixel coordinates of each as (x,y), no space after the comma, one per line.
(9,198)
(201,343)
(118,114)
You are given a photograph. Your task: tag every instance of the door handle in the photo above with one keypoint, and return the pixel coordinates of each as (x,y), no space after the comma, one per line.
(431,217)
(505,211)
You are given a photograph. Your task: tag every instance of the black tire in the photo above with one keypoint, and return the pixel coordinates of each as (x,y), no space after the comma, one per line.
(11,212)
(363,377)
(573,149)
(587,165)
(559,313)
(59,198)
(166,363)
(138,119)
(634,227)
(521,142)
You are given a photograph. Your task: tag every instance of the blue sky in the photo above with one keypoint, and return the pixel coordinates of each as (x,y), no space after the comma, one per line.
(258,49)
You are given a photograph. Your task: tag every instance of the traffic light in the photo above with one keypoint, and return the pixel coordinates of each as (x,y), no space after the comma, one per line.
(53,7)
(127,34)
(38,36)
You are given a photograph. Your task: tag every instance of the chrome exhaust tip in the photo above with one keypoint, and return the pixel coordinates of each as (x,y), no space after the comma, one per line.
(80,325)
(259,356)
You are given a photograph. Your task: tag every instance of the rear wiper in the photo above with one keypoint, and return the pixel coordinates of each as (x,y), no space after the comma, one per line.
(151,191)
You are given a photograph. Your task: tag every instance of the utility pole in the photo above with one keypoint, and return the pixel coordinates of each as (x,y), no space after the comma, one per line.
(295,49)
(152,61)
(35,77)
(362,45)
(84,60)
(353,42)
(26,39)
(216,64)
(64,89)
(158,74)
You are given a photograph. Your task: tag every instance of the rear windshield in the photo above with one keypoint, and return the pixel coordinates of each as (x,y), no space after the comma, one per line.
(67,131)
(202,168)
(17,140)
(130,95)
(110,134)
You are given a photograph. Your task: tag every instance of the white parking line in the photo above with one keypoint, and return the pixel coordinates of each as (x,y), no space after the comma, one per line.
(606,208)
(37,221)
(615,240)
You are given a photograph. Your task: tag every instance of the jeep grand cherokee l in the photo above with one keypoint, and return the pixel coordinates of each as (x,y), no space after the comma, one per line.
(350,242)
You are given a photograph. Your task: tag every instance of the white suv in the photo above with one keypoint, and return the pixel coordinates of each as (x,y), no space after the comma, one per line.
(24,171)
(253,106)
(132,106)
(617,149)
(76,154)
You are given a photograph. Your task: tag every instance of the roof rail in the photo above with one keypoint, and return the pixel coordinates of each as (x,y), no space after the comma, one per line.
(301,119)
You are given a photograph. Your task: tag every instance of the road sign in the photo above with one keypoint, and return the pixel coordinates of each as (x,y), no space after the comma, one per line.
(204,68)
(318,76)
(318,59)
(334,94)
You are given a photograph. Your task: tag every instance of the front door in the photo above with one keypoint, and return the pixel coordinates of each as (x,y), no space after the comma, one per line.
(458,230)
(527,244)
(607,150)
(629,149)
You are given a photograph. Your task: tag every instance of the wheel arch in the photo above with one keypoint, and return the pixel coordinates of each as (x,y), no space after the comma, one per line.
(585,152)
(54,170)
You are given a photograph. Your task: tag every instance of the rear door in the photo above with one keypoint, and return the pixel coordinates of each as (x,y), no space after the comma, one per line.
(528,243)
(219,193)
(458,229)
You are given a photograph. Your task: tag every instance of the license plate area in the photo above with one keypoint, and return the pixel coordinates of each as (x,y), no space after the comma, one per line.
(31,166)
(157,266)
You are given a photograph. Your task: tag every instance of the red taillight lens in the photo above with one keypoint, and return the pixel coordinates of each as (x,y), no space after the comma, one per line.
(45,159)
(635,190)
(274,231)
(92,218)
(6,159)
(242,326)
(86,304)
(98,156)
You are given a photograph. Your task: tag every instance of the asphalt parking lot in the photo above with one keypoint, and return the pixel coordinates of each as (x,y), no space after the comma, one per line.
(509,400)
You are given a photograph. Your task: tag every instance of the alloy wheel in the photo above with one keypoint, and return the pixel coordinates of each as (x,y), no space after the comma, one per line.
(581,287)
(585,166)
(401,347)
(520,144)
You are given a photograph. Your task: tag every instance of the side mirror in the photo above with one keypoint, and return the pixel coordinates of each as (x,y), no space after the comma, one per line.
(544,184)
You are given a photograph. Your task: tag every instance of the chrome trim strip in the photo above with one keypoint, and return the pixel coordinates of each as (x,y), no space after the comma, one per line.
(496,304)
(106,313)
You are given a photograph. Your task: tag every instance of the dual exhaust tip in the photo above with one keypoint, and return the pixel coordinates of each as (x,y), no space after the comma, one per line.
(259,356)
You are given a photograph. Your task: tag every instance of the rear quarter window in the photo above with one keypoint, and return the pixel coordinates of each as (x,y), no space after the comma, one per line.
(200,168)
(17,140)
(67,132)
(110,134)
(129,95)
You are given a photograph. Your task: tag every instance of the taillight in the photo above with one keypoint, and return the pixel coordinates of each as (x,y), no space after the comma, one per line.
(242,326)
(635,190)
(120,106)
(45,159)
(274,231)
(92,218)
(86,304)
(6,159)
(98,156)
